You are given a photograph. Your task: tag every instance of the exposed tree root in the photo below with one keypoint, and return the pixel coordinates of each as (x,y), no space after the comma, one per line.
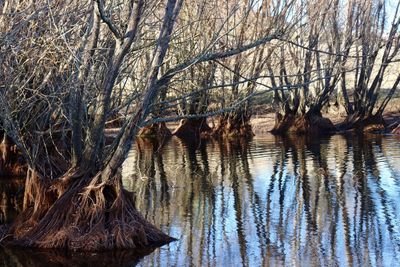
(81,213)
(157,130)
(233,126)
(306,124)
(3,138)
(192,129)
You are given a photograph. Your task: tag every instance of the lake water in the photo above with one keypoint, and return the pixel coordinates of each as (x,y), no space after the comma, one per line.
(272,201)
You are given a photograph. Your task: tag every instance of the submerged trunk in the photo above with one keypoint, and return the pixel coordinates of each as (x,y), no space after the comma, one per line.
(309,123)
(62,258)
(156,130)
(192,129)
(234,125)
(81,212)
(364,123)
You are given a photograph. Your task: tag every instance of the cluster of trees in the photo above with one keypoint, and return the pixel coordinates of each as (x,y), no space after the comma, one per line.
(335,52)
(338,51)
(72,68)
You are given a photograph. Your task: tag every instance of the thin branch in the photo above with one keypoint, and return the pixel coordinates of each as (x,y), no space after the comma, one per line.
(107,20)
(217,55)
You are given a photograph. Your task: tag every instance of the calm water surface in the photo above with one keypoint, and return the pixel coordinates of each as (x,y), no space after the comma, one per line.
(272,201)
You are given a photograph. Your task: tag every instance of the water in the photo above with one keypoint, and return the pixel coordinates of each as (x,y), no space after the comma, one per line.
(273,201)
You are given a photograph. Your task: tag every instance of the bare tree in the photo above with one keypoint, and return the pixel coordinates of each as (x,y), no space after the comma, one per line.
(69,67)
(306,71)
(82,205)
(217,88)
(375,52)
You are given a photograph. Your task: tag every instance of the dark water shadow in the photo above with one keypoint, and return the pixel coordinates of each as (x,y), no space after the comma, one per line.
(16,257)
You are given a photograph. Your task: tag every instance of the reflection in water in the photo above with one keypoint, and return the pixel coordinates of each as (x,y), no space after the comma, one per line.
(269,202)
(11,197)
(11,162)
(12,182)
(60,258)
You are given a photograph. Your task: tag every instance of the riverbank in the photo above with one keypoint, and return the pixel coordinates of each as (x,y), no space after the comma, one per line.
(263,120)
(264,123)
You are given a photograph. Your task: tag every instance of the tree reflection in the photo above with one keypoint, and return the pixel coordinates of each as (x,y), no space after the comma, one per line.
(11,197)
(270,201)
(11,162)
(320,202)
(60,258)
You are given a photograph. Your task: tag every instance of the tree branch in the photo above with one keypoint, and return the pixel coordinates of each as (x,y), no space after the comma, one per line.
(107,20)
(217,55)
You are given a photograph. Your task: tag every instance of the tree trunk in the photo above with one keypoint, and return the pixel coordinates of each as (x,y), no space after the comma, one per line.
(80,212)
(234,125)
(156,130)
(364,123)
(192,129)
(87,208)
(310,123)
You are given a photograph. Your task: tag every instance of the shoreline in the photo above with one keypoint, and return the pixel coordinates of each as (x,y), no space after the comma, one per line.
(263,123)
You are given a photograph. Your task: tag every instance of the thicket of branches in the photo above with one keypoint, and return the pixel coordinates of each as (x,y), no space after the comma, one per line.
(69,67)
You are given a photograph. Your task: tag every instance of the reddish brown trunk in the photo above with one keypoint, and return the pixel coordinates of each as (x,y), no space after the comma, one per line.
(81,212)
(233,127)
(313,124)
(157,130)
(190,129)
